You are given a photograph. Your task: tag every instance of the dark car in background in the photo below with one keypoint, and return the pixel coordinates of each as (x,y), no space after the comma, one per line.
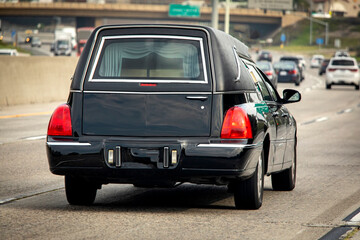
(265,56)
(323,66)
(287,71)
(269,70)
(298,63)
(160,105)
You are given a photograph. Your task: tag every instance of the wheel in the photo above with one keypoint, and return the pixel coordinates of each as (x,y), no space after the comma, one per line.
(297,83)
(285,180)
(79,191)
(356,87)
(328,86)
(248,194)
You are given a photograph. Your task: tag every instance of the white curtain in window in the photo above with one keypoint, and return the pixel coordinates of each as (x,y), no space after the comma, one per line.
(114,53)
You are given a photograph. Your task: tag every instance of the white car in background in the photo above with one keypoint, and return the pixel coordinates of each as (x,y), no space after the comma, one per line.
(341,54)
(342,71)
(302,61)
(316,61)
(9,52)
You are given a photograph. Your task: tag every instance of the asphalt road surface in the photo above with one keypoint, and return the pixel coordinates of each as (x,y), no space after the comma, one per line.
(325,202)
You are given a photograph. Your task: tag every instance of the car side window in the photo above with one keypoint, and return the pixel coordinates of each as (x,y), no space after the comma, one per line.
(274,94)
(260,84)
(272,91)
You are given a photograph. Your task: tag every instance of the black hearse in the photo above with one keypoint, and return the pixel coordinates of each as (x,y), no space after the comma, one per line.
(159,105)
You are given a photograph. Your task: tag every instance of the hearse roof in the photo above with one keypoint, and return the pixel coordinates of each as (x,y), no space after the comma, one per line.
(226,67)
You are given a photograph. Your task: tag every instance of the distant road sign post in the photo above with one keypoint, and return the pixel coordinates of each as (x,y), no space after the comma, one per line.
(178,10)
(319,41)
(283,37)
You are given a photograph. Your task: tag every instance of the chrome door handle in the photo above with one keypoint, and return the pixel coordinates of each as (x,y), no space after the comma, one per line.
(201,98)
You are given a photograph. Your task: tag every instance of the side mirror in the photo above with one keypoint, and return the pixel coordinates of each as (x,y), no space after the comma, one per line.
(291,96)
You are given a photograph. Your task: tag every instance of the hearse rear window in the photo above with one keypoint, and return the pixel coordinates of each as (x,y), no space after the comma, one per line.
(151,58)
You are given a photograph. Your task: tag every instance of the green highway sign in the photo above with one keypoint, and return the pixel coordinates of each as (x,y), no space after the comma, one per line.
(178,10)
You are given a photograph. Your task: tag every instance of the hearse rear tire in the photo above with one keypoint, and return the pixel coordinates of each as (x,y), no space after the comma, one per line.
(248,194)
(285,180)
(79,191)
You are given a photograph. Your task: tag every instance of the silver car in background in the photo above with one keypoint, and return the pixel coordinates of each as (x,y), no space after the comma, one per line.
(269,70)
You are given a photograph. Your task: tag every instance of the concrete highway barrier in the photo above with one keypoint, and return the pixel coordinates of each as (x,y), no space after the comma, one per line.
(35,79)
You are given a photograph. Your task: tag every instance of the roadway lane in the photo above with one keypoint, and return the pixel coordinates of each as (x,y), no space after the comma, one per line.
(327,189)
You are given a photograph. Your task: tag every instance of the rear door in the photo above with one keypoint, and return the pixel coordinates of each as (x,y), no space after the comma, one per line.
(148,85)
(277,120)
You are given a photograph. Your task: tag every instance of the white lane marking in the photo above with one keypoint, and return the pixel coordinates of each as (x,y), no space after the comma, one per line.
(356,218)
(322,119)
(345,111)
(3,201)
(22,196)
(35,138)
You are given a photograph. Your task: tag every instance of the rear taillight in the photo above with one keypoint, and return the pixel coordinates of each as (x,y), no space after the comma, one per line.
(60,122)
(268,73)
(293,71)
(236,124)
(353,70)
(331,69)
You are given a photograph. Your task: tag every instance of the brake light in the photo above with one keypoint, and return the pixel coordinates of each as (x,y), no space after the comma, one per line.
(236,124)
(293,71)
(148,84)
(268,73)
(60,122)
(353,70)
(331,69)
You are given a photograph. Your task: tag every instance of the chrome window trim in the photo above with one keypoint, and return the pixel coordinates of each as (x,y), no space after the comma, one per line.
(164,93)
(149,93)
(67,144)
(237,64)
(103,39)
(87,64)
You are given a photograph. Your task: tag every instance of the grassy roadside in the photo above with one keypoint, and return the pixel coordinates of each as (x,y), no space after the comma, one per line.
(10,46)
(347,30)
(305,50)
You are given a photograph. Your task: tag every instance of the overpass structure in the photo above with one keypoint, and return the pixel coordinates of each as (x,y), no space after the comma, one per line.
(101,13)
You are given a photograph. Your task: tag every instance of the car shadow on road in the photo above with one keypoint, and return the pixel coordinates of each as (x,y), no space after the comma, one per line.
(127,198)
(342,89)
(184,197)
